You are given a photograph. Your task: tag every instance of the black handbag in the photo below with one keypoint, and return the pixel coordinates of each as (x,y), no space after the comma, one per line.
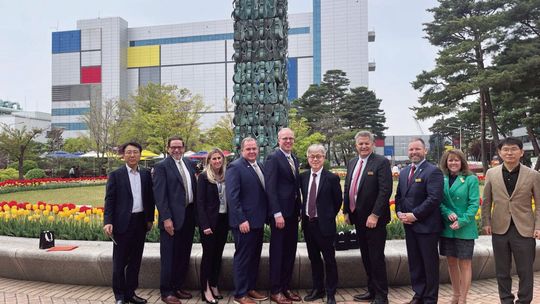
(353,240)
(46,239)
(342,240)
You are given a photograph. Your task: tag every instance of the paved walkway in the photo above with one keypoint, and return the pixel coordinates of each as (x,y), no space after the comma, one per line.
(21,292)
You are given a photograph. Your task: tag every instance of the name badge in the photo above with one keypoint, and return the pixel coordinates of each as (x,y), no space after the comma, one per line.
(418,180)
(370,173)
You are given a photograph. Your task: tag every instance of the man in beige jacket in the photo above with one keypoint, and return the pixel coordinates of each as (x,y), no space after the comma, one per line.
(507,214)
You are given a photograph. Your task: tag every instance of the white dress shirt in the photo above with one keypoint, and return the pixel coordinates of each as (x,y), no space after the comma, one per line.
(136,190)
(317,181)
(182,166)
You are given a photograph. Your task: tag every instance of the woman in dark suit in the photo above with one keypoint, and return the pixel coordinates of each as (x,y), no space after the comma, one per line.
(213,222)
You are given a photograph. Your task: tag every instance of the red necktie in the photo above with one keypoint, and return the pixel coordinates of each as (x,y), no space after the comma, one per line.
(354,187)
(411,174)
(312,211)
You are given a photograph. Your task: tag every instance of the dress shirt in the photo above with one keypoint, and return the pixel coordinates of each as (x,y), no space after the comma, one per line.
(361,172)
(182,166)
(317,180)
(258,170)
(136,190)
(510,178)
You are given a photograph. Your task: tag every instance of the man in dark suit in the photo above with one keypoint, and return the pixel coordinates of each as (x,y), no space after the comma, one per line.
(247,205)
(129,214)
(174,191)
(368,186)
(282,186)
(321,194)
(418,197)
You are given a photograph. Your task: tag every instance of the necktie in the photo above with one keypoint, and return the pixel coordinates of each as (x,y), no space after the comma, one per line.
(312,207)
(411,174)
(259,173)
(291,163)
(184,180)
(354,187)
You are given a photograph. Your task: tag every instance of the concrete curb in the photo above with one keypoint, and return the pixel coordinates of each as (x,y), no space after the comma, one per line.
(91,264)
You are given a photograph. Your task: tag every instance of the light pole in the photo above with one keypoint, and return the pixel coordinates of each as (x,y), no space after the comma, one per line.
(457,128)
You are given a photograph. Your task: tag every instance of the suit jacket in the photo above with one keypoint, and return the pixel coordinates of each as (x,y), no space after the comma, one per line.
(282,186)
(328,200)
(463,199)
(498,207)
(374,192)
(246,198)
(169,191)
(207,203)
(119,199)
(422,197)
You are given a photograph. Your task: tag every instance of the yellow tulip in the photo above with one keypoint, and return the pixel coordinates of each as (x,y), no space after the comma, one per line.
(46,212)
(87,220)
(48,207)
(6,207)
(65,209)
(35,207)
(55,209)
(7,216)
(50,218)
(41,207)
(27,206)
(88,212)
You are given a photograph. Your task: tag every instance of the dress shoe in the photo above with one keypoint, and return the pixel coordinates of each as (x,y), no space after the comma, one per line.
(416,301)
(330,299)
(364,297)
(257,296)
(120,302)
(216,294)
(244,300)
(279,298)
(292,296)
(182,294)
(380,301)
(136,300)
(314,295)
(203,296)
(171,300)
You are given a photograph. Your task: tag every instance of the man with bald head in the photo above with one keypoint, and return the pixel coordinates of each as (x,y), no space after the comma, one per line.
(282,187)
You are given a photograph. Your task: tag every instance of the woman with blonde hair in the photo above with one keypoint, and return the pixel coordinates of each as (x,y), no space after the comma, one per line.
(213,222)
(459,206)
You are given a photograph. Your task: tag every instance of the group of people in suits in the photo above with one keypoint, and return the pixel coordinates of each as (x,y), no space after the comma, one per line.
(437,206)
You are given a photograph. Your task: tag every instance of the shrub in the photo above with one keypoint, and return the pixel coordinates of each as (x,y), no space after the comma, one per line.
(35,173)
(9,173)
(27,165)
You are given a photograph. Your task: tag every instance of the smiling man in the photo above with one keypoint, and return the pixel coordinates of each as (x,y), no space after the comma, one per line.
(508,215)
(419,195)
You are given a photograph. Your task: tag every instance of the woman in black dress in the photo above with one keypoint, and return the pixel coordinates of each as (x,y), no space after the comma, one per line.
(213,222)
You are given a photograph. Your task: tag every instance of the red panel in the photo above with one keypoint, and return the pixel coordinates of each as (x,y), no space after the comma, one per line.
(379,142)
(91,74)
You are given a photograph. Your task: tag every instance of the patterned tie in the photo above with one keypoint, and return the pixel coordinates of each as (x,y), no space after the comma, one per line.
(259,173)
(411,174)
(184,180)
(312,207)
(291,163)
(354,187)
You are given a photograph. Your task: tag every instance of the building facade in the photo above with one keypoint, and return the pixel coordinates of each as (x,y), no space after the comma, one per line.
(106,59)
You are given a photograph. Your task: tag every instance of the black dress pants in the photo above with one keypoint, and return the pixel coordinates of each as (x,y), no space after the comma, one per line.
(317,244)
(213,246)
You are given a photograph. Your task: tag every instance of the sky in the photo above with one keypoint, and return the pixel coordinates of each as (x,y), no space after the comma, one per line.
(400,51)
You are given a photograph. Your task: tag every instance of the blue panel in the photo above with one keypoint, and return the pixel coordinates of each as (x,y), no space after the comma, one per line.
(70,126)
(203,38)
(69,111)
(66,42)
(316,41)
(292,75)
(388,150)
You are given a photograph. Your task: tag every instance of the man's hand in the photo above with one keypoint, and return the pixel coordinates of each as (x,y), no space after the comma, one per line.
(244,227)
(347,219)
(280,222)
(169,226)
(372,220)
(537,234)
(108,229)
(487,230)
(407,217)
(207,231)
(452,217)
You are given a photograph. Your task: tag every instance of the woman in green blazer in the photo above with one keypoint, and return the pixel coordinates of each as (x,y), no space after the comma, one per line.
(459,207)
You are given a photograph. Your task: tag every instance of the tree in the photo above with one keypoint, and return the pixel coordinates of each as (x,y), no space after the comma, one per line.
(17,142)
(361,110)
(221,135)
(304,137)
(78,144)
(54,139)
(466,32)
(160,111)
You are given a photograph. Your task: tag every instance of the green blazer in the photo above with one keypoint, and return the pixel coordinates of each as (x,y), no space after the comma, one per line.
(463,199)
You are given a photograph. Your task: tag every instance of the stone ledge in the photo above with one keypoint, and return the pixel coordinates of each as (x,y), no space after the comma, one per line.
(91,264)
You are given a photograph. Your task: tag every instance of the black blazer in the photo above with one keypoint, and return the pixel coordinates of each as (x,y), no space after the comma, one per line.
(207,203)
(169,191)
(282,186)
(374,191)
(422,197)
(328,200)
(119,199)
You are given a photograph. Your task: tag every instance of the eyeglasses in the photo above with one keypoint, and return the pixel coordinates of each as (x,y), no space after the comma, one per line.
(287,138)
(176,147)
(316,156)
(512,149)
(132,152)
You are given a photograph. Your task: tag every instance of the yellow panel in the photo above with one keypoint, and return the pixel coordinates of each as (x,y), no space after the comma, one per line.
(143,56)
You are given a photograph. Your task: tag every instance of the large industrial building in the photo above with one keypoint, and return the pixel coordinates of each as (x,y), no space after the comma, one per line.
(105,59)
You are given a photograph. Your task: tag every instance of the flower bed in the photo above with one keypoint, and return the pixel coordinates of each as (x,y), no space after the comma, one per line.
(11,186)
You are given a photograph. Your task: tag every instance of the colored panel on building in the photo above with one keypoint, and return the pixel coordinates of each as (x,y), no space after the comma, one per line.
(292,75)
(69,111)
(379,142)
(388,150)
(147,75)
(91,74)
(143,56)
(70,93)
(74,126)
(66,69)
(66,42)
(317,41)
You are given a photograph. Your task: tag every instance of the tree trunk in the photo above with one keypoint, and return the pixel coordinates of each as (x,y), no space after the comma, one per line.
(486,97)
(536,147)
(483,136)
(21,161)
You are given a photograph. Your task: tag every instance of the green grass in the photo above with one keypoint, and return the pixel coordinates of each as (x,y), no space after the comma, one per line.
(93,195)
